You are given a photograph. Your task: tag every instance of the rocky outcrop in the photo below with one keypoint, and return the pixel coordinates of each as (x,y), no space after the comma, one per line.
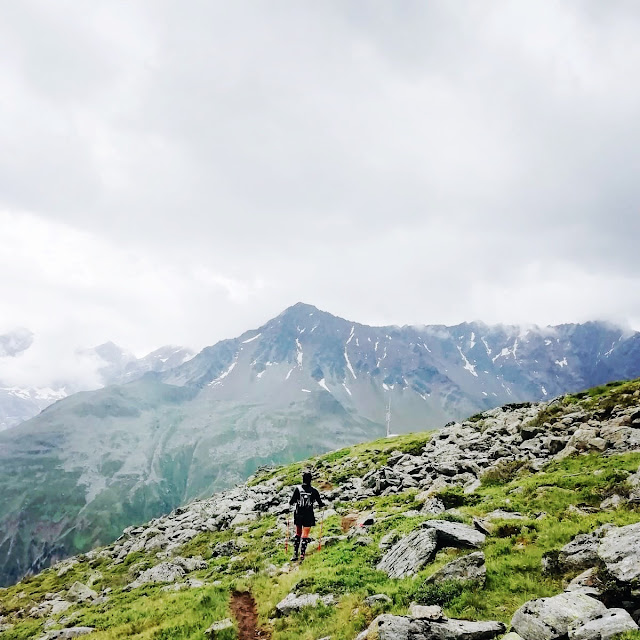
(410,554)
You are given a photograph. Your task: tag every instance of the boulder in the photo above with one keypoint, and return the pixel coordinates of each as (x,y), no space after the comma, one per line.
(469,567)
(410,554)
(455,534)
(293,602)
(611,623)
(549,618)
(618,549)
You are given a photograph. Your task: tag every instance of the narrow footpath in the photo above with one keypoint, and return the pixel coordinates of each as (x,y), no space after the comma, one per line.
(243,608)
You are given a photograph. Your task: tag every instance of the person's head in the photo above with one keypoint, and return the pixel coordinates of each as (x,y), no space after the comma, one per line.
(306,477)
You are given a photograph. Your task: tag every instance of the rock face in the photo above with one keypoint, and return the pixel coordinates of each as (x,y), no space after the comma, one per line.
(454,534)
(619,549)
(613,622)
(410,554)
(469,567)
(549,618)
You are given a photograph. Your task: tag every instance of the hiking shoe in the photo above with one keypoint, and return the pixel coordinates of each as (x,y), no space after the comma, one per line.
(294,559)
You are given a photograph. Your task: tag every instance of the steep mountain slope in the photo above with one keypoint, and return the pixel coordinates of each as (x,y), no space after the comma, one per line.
(487,524)
(114,366)
(303,383)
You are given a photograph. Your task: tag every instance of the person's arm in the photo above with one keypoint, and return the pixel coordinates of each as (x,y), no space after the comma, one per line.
(318,498)
(294,497)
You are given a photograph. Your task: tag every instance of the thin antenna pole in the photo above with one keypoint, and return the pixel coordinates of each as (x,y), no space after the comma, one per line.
(389,418)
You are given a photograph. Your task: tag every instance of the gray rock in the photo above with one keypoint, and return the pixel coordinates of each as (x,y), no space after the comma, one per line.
(613,622)
(455,534)
(377,599)
(164,572)
(81,593)
(221,625)
(549,618)
(293,602)
(410,554)
(389,627)
(618,549)
(422,612)
(64,634)
(469,567)
(433,506)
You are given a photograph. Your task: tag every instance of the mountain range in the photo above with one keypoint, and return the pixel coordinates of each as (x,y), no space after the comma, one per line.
(113,365)
(303,383)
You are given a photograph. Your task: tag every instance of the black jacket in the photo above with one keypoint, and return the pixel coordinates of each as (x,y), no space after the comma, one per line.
(304,498)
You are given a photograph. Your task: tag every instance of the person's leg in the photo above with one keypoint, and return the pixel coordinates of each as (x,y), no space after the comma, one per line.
(296,542)
(305,541)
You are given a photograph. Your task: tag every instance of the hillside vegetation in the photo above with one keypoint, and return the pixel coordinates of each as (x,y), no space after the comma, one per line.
(576,470)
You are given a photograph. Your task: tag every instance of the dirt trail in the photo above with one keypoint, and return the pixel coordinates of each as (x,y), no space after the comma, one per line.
(243,607)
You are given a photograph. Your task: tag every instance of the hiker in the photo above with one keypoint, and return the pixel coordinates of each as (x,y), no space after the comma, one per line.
(304,518)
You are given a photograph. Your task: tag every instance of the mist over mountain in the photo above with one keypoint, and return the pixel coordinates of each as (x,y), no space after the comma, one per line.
(91,369)
(303,383)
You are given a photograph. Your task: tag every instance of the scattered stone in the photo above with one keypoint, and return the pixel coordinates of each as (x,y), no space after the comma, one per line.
(549,618)
(377,599)
(455,534)
(64,634)
(410,554)
(81,593)
(164,572)
(390,627)
(468,568)
(221,625)
(293,602)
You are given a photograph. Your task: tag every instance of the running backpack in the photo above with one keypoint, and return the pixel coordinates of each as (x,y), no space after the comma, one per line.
(305,499)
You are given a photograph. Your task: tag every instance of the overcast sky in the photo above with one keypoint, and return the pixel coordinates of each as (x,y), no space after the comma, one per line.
(179,172)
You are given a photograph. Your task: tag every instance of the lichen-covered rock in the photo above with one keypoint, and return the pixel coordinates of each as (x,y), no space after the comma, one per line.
(604,627)
(455,534)
(469,567)
(410,554)
(377,600)
(619,549)
(549,618)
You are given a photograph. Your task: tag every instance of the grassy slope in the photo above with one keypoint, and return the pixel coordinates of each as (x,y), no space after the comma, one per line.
(347,569)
